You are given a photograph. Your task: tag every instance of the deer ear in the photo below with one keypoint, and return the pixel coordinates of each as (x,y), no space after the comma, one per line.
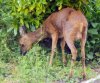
(22,30)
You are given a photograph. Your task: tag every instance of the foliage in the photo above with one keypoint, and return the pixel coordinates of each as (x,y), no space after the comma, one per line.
(93,40)
(32,13)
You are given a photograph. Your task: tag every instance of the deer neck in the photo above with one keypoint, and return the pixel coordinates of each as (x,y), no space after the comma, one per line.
(38,35)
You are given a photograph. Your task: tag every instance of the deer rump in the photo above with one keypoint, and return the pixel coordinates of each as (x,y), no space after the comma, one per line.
(66,20)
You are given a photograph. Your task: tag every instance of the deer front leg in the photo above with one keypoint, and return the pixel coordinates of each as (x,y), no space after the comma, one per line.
(62,48)
(54,43)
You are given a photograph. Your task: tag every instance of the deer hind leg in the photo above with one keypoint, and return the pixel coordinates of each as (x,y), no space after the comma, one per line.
(73,49)
(83,41)
(54,43)
(69,38)
(62,48)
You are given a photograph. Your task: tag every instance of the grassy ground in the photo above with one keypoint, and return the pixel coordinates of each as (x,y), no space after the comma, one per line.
(33,68)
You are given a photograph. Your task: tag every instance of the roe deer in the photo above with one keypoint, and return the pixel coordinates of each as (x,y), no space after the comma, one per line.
(67,24)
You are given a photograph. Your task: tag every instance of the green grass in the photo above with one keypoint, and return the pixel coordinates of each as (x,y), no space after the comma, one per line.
(34,68)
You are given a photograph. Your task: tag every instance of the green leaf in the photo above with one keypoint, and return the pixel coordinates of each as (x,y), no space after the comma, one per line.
(13,13)
(27,25)
(32,28)
(93,31)
(97,54)
(93,41)
(31,7)
(26,11)
(94,25)
(21,21)
(90,55)
(15,31)
(19,9)
(10,29)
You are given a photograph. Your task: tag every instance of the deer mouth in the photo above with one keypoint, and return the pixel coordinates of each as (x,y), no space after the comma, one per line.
(23,53)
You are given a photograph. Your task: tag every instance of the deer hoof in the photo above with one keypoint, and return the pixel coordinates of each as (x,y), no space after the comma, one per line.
(50,64)
(84,76)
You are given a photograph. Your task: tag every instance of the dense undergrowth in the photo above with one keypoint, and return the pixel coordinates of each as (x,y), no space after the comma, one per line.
(33,68)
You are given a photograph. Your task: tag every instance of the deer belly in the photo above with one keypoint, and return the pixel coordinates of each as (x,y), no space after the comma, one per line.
(78,36)
(60,35)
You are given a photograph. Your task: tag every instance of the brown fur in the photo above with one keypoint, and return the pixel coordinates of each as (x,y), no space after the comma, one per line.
(68,24)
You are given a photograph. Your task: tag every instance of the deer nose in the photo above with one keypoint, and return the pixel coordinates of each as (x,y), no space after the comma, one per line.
(23,53)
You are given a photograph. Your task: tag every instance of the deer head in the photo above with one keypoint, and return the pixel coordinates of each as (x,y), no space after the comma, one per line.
(24,41)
